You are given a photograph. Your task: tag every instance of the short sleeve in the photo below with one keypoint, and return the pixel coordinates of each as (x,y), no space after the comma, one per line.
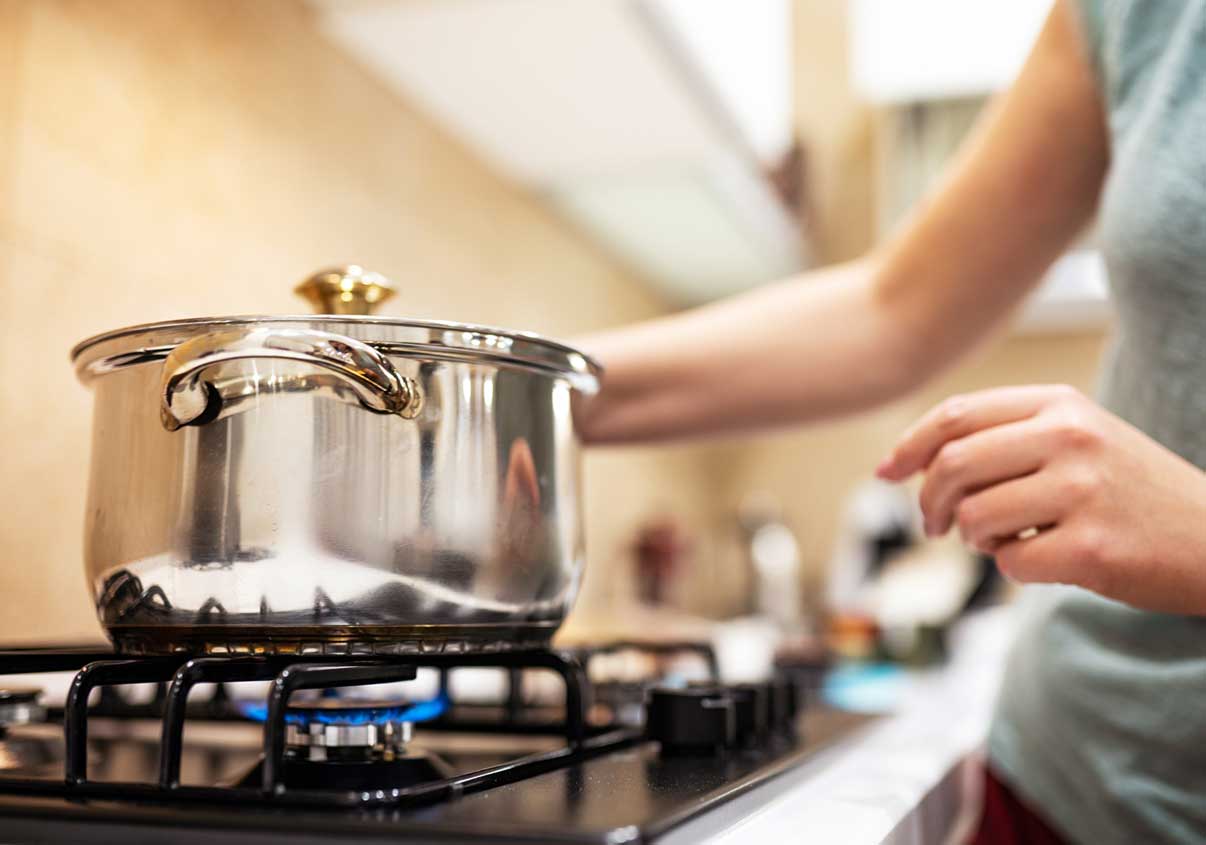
(1091,15)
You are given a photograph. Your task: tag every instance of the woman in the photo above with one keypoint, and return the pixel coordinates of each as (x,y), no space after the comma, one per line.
(1100,734)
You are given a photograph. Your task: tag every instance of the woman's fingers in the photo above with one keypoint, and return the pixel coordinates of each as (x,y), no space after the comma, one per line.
(1066,554)
(996,516)
(958,417)
(965,466)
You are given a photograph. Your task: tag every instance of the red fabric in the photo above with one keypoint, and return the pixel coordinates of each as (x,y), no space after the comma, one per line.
(1006,820)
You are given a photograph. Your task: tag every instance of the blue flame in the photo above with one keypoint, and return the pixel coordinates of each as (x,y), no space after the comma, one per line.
(419,711)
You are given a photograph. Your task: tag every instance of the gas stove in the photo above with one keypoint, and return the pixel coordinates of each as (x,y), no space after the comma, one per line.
(572,745)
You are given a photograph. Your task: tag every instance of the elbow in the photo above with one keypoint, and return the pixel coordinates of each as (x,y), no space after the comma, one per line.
(910,347)
(911,363)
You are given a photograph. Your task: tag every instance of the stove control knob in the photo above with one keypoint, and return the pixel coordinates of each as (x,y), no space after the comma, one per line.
(784,704)
(19,706)
(751,704)
(698,720)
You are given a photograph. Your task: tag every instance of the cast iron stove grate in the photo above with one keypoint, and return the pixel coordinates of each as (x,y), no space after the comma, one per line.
(589,775)
(288,675)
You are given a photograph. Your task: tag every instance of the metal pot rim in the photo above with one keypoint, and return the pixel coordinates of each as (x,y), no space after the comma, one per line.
(396,336)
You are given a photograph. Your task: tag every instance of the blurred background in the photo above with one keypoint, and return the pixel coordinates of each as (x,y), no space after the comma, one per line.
(534,164)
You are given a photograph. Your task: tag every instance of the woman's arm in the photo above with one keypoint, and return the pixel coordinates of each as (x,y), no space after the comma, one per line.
(855,335)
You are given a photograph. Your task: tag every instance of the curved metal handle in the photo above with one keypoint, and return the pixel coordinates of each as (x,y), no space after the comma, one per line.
(188,399)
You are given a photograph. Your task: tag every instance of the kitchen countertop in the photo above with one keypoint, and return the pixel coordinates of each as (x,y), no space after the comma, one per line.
(906,779)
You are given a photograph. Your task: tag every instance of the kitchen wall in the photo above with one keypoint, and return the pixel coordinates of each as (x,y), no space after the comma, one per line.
(169,158)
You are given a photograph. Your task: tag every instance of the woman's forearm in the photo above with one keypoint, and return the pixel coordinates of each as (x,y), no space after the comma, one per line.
(814,346)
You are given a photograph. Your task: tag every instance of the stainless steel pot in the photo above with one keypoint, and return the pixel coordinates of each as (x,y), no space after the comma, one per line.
(332,484)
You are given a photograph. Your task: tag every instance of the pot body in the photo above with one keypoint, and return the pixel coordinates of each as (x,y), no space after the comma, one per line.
(287,514)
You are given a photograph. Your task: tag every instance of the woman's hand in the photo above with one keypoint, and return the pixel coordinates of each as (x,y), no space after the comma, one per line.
(1115,512)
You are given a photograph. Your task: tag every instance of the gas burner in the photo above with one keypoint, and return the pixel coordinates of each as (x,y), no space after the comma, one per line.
(19,706)
(339,729)
(385,776)
(340,743)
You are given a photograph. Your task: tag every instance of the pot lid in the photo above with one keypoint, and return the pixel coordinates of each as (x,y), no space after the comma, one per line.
(346,297)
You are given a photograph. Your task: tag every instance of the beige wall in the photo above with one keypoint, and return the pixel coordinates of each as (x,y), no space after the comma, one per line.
(837,131)
(170,158)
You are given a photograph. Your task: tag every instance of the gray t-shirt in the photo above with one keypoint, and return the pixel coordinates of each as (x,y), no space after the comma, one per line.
(1101,723)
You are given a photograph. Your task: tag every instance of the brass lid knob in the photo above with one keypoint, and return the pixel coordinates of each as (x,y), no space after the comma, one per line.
(345,290)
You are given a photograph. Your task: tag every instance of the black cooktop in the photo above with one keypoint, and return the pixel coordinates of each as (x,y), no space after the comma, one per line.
(515,770)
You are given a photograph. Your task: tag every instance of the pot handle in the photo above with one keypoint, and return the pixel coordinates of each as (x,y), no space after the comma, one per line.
(357,368)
